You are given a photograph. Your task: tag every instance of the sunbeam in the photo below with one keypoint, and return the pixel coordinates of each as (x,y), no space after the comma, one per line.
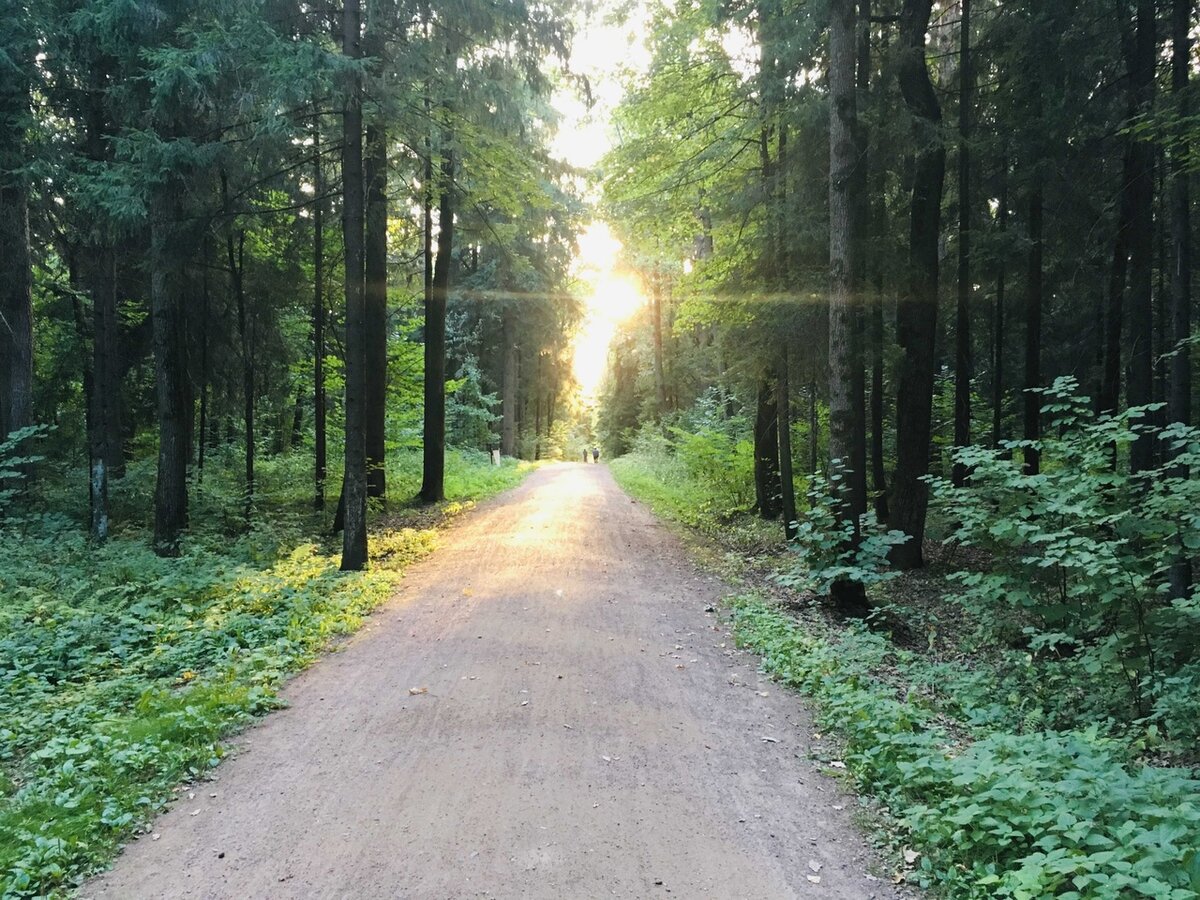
(612,296)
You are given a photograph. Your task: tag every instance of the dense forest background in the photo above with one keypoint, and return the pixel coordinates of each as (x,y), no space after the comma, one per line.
(243,229)
(891,249)
(916,352)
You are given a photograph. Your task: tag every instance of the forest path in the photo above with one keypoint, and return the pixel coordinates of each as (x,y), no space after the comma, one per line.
(588,731)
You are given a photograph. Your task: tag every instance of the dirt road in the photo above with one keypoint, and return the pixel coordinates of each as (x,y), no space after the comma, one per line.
(587,731)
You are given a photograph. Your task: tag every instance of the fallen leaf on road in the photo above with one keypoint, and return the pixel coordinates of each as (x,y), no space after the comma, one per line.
(814,865)
(770,740)
(418,690)
(815,879)
(911,856)
(837,764)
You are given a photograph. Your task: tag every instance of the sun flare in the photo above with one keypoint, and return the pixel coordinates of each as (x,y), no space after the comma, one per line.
(612,296)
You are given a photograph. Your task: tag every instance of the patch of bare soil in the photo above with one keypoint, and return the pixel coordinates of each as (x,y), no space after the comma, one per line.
(547,709)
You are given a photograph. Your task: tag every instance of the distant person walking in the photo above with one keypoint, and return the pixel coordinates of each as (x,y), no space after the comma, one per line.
(595,454)
(585,454)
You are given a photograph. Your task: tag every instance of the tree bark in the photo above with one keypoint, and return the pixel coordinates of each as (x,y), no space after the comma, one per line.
(103,407)
(660,382)
(814,429)
(872,300)
(767,483)
(16,275)
(783,402)
(962,319)
(167,258)
(354,484)
(916,315)
(844,352)
(1033,328)
(1179,396)
(878,468)
(375,398)
(999,323)
(1140,379)
(1109,397)
(235,255)
(508,387)
(16,308)
(320,459)
(202,437)
(100,277)
(433,486)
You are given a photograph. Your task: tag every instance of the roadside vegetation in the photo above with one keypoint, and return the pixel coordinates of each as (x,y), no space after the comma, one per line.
(1026,710)
(123,674)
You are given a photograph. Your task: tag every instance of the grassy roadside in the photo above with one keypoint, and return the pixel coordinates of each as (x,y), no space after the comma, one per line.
(987,799)
(121,673)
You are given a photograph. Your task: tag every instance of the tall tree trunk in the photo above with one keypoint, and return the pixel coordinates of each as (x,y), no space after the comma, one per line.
(1033,328)
(375,398)
(16,308)
(814,430)
(318,323)
(205,377)
(237,261)
(873,223)
(878,467)
(783,402)
(16,275)
(856,469)
(1140,381)
(962,318)
(916,315)
(105,381)
(660,382)
(1179,397)
(537,409)
(106,457)
(354,485)
(433,485)
(235,255)
(999,323)
(767,484)
(1109,397)
(508,386)
(167,260)
(844,353)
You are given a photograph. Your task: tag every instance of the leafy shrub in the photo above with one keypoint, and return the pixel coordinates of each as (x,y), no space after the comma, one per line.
(995,814)
(825,549)
(721,467)
(1081,554)
(15,460)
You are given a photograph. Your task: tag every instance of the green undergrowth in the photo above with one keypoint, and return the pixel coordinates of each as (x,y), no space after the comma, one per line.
(121,673)
(710,502)
(1006,763)
(995,809)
